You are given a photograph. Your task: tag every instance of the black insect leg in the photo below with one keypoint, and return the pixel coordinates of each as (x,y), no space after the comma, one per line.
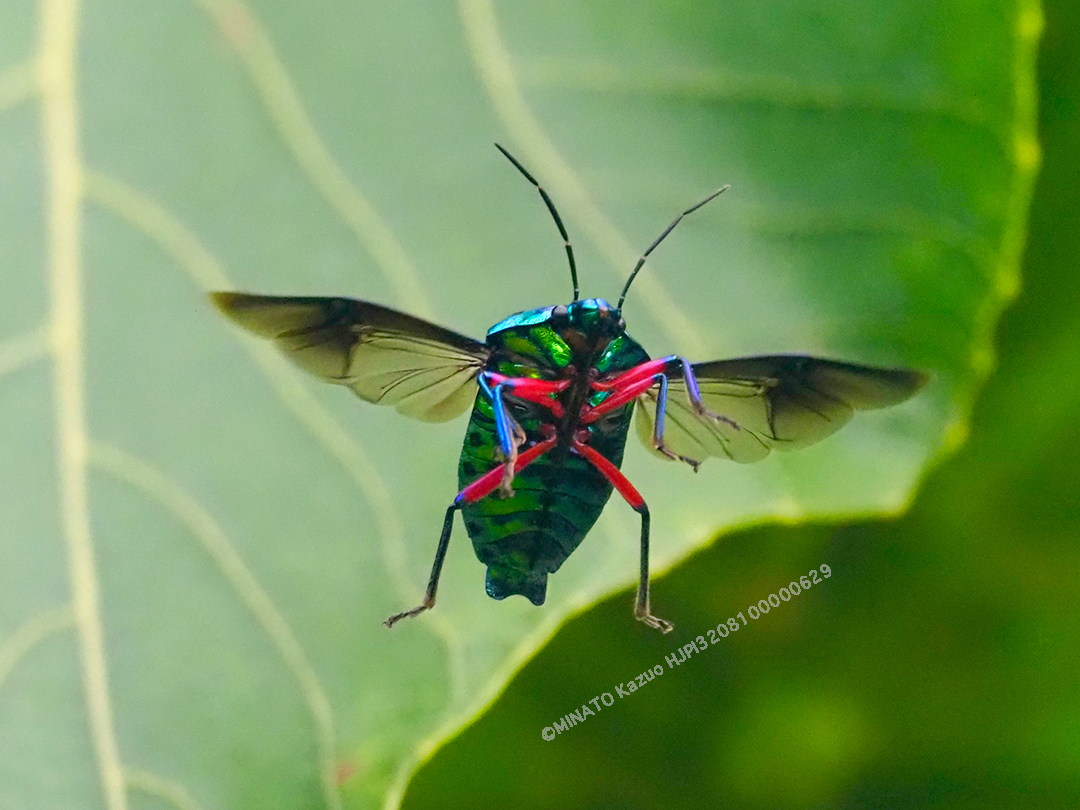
(642,611)
(436,571)
(619,481)
(480,488)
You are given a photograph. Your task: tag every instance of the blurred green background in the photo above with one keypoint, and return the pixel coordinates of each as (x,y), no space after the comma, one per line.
(245,530)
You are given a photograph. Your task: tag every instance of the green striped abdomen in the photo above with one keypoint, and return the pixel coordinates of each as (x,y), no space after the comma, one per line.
(556,501)
(557,498)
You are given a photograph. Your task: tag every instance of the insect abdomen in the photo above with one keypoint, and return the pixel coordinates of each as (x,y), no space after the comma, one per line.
(527,536)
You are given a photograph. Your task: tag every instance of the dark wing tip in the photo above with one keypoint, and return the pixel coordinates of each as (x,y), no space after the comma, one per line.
(272,316)
(917,379)
(891,387)
(234,304)
(244,310)
(223,300)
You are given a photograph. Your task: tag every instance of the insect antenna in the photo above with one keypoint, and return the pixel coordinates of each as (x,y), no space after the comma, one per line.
(660,238)
(555,215)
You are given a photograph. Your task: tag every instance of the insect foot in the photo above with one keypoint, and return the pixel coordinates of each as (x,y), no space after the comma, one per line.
(663,448)
(701,410)
(408,614)
(505,490)
(656,622)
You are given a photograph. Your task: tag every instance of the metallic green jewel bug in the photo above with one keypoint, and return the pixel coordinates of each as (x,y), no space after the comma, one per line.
(553,392)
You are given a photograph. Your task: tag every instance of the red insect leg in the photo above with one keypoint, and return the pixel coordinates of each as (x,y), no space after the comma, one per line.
(627,387)
(642,611)
(619,398)
(612,474)
(484,485)
(532,390)
(489,481)
(643,371)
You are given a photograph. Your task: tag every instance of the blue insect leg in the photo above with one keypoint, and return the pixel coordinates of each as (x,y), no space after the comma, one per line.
(658,424)
(676,363)
(694,392)
(510,434)
(661,410)
(502,420)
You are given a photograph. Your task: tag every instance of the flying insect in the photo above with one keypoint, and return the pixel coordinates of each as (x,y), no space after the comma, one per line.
(553,393)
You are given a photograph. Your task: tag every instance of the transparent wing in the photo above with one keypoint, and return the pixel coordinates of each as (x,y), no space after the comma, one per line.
(781,402)
(386,357)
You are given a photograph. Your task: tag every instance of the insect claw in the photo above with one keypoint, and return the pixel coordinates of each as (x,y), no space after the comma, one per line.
(408,614)
(505,488)
(701,410)
(693,462)
(661,447)
(657,623)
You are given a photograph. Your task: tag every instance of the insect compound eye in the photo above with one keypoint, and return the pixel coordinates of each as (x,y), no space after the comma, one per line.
(560,316)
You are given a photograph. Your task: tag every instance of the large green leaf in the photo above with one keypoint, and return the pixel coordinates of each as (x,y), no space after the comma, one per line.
(197,546)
